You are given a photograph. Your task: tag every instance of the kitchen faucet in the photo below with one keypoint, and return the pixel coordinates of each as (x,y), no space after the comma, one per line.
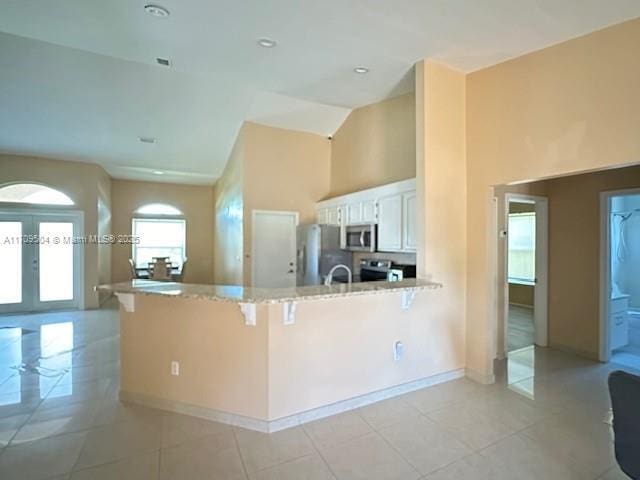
(329,278)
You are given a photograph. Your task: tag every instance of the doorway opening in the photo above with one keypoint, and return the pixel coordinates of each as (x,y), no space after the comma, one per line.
(620,285)
(525,282)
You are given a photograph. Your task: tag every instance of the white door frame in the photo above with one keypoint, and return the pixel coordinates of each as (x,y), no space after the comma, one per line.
(604,351)
(254,214)
(541,288)
(76,216)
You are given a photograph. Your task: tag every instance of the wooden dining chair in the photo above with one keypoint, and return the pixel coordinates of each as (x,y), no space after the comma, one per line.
(160,270)
(132,269)
(180,276)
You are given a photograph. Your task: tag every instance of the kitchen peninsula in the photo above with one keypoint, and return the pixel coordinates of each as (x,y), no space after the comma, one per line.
(268,359)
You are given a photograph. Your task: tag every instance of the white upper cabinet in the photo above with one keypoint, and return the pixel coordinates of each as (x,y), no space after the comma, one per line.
(370,211)
(390,223)
(322,216)
(334,215)
(409,221)
(354,213)
(392,207)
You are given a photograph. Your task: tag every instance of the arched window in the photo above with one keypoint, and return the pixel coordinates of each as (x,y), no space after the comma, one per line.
(160,231)
(158,209)
(34,194)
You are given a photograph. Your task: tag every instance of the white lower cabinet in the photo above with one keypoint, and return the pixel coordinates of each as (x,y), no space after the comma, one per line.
(619,331)
(390,223)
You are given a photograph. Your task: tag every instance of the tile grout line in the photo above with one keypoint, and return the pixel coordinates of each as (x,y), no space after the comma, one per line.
(389,443)
(80,430)
(32,413)
(317,450)
(239,450)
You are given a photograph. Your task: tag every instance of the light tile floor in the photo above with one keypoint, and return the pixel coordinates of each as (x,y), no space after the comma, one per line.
(60,418)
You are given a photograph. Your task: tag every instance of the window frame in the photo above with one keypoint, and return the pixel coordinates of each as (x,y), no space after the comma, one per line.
(157,218)
(14,204)
(139,213)
(521,280)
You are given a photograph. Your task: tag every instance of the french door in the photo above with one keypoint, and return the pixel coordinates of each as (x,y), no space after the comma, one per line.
(40,260)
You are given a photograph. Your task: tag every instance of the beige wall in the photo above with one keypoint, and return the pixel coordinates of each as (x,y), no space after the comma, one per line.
(573,107)
(269,169)
(85,184)
(522,295)
(332,352)
(284,170)
(374,146)
(229,214)
(441,190)
(195,202)
(342,348)
(223,362)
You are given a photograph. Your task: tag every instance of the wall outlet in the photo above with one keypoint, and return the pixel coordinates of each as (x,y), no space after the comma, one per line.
(175,368)
(398,350)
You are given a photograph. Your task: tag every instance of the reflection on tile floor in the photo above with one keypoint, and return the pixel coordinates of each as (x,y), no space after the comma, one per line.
(520,328)
(60,418)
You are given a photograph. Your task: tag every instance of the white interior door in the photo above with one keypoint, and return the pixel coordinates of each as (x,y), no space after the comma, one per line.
(540,283)
(541,291)
(274,249)
(42,262)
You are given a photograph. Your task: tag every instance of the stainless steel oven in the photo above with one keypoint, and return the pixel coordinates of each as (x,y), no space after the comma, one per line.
(359,238)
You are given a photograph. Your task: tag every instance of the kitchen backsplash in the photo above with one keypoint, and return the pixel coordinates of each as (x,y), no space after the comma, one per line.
(404,258)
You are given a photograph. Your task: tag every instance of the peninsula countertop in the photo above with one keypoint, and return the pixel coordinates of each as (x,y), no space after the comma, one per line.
(239,294)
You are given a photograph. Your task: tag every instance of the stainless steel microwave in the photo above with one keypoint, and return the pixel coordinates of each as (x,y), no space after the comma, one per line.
(359,238)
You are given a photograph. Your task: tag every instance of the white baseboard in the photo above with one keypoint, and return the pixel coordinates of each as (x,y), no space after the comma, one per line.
(270,426)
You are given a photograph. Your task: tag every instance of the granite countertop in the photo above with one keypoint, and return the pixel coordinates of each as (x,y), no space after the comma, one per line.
(238,294)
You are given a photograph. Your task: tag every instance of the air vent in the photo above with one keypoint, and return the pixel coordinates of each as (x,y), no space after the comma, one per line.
(147,139)
(164,62)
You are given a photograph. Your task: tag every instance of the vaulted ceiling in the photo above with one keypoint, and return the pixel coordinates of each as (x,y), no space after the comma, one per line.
(79,78)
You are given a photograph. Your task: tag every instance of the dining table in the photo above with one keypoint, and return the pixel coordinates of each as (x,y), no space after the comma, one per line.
(143,273)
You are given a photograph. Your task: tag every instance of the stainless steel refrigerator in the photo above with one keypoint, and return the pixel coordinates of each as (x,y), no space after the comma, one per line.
(318,249)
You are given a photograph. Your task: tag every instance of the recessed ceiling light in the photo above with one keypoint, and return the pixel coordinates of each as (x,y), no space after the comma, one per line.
(266,42)
(361,70)
(158,172)
(156,10)
(147,139)
(165,62)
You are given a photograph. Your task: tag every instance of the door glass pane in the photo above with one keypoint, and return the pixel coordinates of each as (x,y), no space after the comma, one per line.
(56,261)
(11,261)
